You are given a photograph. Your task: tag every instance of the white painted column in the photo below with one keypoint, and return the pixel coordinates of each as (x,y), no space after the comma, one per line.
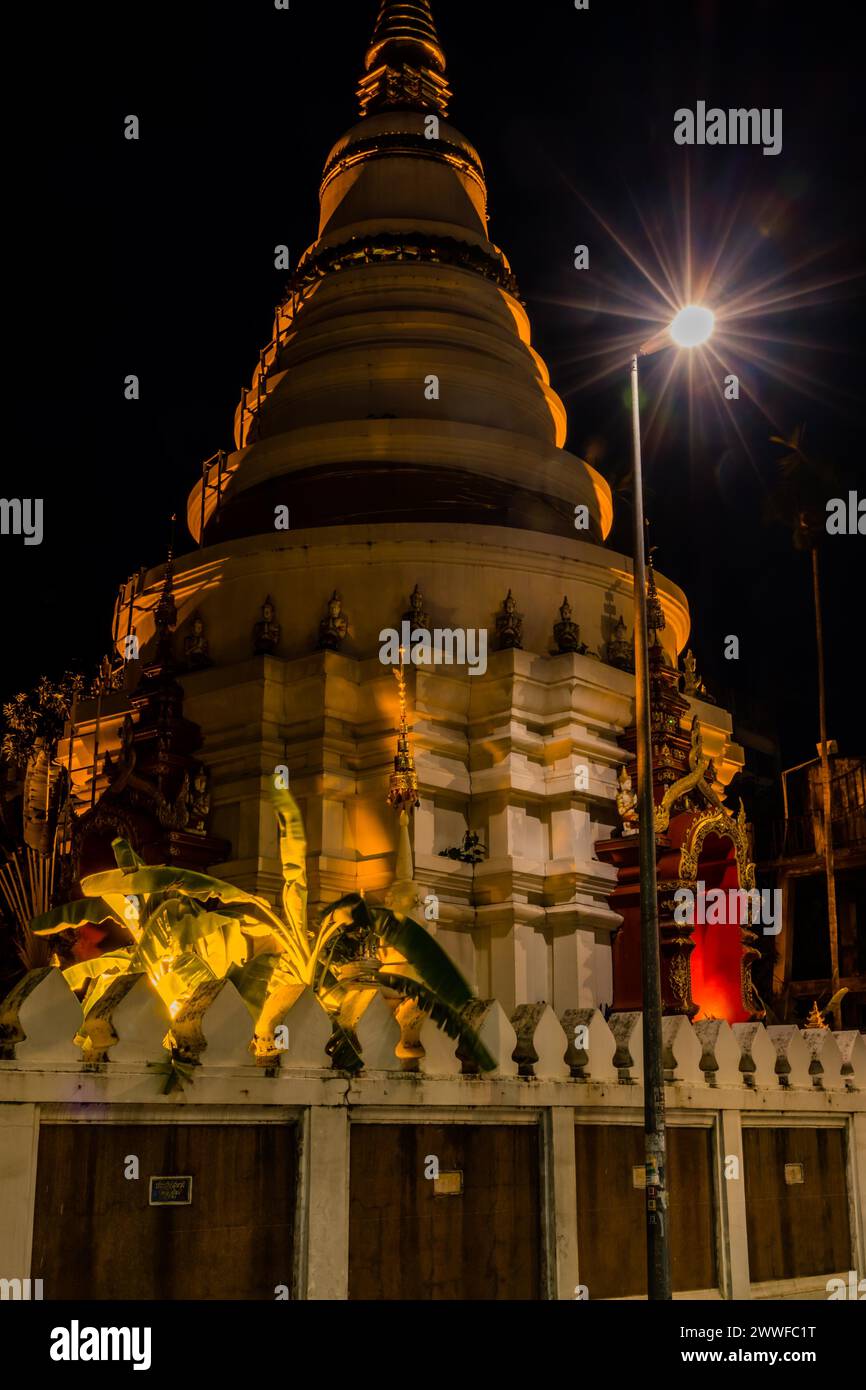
(560,1207)
(19,1140)
(323,1205)
(734,1276)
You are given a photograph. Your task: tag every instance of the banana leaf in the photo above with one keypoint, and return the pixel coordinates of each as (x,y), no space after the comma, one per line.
(111,963)
(425,955)
(193,924)
(293,857)
(446,1018)
(253,981)
(90,912)
(180,982)
(155,942)
(100,984)
(125,856)
(162,878)
(344,1049)
(176,1073)
(223,948)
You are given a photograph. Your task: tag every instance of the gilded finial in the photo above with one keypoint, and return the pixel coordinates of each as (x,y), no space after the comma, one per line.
(815,1017)
(403,790)
(404,65)
(655,614)
(165,612)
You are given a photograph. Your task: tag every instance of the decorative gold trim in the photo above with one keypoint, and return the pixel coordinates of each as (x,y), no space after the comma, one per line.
(695,779)
(724,823)
(680,980)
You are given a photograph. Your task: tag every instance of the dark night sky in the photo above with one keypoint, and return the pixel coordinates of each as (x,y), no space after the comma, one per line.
(156,258)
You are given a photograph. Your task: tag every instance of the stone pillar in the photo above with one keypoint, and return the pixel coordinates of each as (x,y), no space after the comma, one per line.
(19,1140)
(731,1198)
(560,1207)
(323,1205)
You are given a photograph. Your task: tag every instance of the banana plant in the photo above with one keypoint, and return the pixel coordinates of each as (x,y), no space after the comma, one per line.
(186,928)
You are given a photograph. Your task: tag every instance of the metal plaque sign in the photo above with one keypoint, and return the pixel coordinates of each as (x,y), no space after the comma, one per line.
(171,1192)
(448,1184)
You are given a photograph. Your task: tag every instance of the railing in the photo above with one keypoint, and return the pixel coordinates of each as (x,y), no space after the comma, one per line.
(801,833)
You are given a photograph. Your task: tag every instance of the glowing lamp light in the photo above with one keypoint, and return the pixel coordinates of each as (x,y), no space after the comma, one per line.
(692,326)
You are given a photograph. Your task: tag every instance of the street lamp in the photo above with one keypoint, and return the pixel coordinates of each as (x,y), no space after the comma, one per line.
(691,327)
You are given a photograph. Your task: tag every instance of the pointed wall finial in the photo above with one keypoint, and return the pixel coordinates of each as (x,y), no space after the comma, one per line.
(404,65)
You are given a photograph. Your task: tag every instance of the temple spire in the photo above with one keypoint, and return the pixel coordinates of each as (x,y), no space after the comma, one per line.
(404,894)
(403,788)
(404,65)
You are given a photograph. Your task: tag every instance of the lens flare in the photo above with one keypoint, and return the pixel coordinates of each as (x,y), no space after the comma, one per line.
(692,326)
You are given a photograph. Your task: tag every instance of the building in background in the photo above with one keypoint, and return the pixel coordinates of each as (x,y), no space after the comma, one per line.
(791,853)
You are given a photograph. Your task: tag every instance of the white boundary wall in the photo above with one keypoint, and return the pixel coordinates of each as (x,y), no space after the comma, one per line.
(721,1078)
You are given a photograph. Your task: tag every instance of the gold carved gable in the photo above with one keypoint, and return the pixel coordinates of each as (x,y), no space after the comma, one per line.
(726,826)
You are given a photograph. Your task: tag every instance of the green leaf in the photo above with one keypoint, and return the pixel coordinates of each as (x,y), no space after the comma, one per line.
(344,1049)
(187,883)
(155,942)
(448,1019)
(90,912)
(424,953)
(100,984)
(125,856)
(293,857)
(176,1072)
(192,923)
(110,963)
(253,981)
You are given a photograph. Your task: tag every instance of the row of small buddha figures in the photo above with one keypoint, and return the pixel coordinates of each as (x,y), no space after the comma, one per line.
(334,628)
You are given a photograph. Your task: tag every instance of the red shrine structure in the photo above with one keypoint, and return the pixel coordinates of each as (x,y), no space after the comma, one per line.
(701,846)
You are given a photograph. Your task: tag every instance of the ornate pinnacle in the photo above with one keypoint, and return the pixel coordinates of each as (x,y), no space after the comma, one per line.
(165,612)
(405,25)
(655,614)
(816,1018)
(405,63)
(403,791)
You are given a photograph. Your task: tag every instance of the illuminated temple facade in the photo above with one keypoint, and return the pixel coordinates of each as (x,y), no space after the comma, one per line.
(399,458)
(404,429)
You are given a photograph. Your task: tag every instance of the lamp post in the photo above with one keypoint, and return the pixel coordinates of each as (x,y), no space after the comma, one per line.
(691,327)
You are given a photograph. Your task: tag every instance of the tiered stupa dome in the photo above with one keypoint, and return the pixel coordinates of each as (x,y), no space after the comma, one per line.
(401,383)
(400,453)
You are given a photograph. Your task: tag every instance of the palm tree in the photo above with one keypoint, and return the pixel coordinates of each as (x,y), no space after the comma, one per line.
(800,500)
